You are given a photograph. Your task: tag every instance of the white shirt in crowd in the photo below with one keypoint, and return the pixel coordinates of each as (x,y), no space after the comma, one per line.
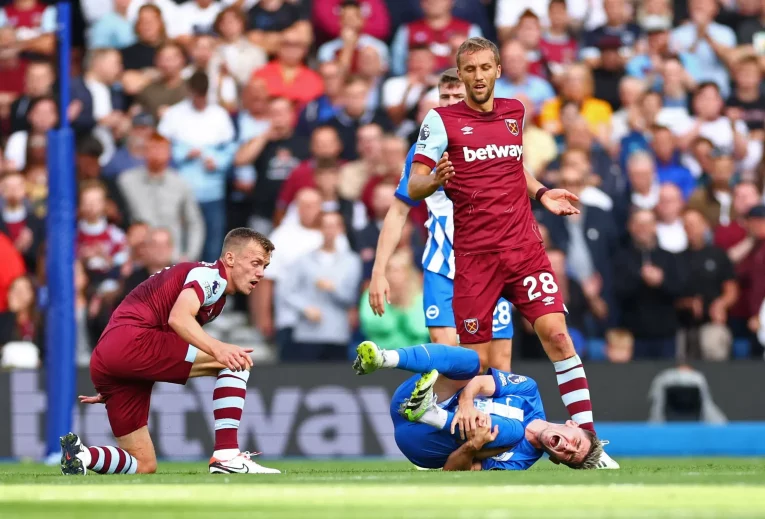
(671,236)
(184,123)
(393,91)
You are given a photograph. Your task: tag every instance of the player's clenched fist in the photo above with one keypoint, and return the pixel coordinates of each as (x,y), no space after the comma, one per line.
(233,357)
(444,170)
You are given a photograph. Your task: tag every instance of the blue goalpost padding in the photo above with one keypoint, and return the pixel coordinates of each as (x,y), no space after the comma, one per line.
(60,329)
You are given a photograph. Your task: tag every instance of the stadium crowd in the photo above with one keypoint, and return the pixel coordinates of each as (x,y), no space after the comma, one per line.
(295,117)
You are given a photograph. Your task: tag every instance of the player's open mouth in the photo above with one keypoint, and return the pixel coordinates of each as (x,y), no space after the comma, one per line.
(479,86)
(554,441)
(253,283)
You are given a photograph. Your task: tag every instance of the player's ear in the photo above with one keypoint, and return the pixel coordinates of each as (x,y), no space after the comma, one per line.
(499,71)
(555,461)
(571,423)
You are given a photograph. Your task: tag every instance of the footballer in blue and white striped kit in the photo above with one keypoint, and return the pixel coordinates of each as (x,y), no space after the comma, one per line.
(438,258)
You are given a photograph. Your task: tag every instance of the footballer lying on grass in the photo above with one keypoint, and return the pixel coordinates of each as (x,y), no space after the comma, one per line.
(469,422)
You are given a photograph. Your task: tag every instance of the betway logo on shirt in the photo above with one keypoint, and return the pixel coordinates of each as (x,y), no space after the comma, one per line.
(492,151)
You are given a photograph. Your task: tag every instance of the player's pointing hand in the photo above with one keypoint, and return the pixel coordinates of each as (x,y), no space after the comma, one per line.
(560,202)
(444,170)
(233,357)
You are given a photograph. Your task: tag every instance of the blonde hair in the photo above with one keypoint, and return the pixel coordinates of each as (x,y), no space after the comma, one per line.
(584,70)
(477,44)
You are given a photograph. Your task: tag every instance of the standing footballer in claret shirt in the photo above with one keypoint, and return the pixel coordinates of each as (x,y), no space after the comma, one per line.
(156,335)
(478,148)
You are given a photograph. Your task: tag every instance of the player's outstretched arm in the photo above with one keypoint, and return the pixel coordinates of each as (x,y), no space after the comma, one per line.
(183,322)
(390,236)
(557,201)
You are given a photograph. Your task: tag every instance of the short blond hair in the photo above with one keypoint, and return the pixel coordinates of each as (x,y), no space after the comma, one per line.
(477,44)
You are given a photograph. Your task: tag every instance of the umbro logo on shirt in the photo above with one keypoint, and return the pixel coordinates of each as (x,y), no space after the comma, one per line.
(467,130)
(548,300)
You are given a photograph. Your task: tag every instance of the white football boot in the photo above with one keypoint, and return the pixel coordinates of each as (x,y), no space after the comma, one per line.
(606,462)
(240,464)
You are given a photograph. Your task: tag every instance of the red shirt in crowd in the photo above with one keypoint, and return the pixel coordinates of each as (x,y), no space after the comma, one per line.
(556,50)
(102,246)
(306,86)
(326,19)
(13,267)
(439,40)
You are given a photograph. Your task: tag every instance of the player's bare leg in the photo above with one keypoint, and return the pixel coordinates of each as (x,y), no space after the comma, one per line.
(484,350)
(500,353)
(228,404)
(134,454)
(572,381)
(443,335)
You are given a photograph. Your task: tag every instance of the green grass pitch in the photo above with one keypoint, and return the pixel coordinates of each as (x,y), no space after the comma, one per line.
(370,489)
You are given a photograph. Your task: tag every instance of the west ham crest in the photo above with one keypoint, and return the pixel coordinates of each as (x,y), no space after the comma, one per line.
(512,125)
(471,325)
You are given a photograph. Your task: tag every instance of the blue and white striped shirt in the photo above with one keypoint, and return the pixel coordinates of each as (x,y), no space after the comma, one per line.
(439,253)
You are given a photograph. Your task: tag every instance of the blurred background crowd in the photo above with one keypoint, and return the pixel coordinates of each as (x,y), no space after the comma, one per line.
(295,117)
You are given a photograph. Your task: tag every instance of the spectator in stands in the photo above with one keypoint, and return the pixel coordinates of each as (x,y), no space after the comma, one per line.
(22,320)
(401,94)
(529,34)
(329,15)
(100,95)
(173,22)
(589,239)
(223,89)
(677,86)
(394,151)
(19,221)
(323,286)
(617,25)
(627,118)
(345,48)
(644,185)
(733,236)
(558,45)
(169,88)
(12,70)
(198,16)
(272,23)
(670,228)
(84,346)
(750,27)
(620,346)
(516,78)
(354,175)
(353,212)
(275,154)
(13,267)
(295,238)
(578,88)
(669,167)
(235,54)
(202,138)
(140,56)
(609,72)
(648,65)
(101,246)
(87,163)
(35,26)
(158,252)
(382,196)
(113,30)
(750,271)
(38,83)
(159,196)
(647,286)
(325,147)
(42,117)
(747,100)
(323,108)
(436,30)
(708,41)
(711,290)
(136,235)
(354,114)
(403,321)
(714,201)
(509,13)
(132,153)
(708,122)
(287,76)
